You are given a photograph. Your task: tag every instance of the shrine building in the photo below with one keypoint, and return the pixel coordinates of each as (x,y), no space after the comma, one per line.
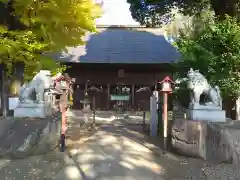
(122,62)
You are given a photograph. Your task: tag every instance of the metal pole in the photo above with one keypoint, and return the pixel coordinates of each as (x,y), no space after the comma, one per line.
(165,119)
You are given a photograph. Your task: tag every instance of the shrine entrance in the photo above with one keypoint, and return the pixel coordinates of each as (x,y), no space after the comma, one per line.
(120,97)
(113,97)
(96,94)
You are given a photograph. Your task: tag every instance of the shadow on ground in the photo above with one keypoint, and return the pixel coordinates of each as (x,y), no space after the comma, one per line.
(122,151)
(109,151)
(110,116)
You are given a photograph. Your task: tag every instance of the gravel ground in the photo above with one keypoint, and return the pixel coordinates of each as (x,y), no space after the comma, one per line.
(42,167)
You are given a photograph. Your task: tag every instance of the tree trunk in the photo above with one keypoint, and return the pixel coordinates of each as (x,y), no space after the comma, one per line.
(229,105)
(4,92)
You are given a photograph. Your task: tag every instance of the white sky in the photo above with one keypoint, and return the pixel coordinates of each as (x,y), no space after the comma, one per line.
(116,12)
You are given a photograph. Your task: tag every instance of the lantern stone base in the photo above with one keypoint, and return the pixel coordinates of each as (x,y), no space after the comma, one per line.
(213,115)
(33,110)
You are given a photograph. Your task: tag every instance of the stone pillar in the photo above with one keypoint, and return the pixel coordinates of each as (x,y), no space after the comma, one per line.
(154,116)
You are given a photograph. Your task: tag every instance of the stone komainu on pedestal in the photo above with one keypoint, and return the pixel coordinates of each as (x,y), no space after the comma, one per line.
(205,132)
(34,98)
(211,108)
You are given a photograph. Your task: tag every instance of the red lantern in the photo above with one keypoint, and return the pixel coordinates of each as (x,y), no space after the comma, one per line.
(166,89)
(166,84)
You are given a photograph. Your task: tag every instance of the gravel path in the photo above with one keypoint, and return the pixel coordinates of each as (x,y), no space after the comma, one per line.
(118,150)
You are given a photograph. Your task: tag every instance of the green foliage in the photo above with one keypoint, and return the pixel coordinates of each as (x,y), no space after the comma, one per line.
(47,27)
(184,24)
(146,11)
(149,14)
(215,51)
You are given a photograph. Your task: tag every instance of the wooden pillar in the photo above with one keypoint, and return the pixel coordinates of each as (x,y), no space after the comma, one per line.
(133,97)
(108,96)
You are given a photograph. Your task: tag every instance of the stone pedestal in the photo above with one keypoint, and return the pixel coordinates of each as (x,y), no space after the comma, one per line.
(206,113)
(34,110)
(13,102)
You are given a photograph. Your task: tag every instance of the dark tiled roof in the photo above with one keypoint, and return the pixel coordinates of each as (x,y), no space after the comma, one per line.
(115,45)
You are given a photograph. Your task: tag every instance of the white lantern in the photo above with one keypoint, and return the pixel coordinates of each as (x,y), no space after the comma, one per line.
(166,86)
(63,83)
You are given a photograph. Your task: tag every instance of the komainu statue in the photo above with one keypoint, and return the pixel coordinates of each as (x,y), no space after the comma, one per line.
(199,85)
(34,91)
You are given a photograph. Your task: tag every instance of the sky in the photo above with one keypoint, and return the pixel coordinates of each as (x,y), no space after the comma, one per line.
(116,12)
